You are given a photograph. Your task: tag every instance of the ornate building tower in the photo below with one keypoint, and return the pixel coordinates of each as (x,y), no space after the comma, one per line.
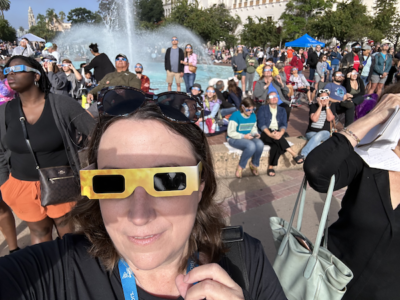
(31,18)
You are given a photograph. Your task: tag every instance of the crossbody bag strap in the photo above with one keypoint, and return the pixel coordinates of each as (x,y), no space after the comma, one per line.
(25,131)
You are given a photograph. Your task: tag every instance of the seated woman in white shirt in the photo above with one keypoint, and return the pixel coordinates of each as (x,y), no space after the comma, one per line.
(300,82)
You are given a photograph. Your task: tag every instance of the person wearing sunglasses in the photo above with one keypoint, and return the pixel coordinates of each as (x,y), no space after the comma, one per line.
(145,80)
(300,83)
(100,64)
(150,227)
(174,56)
(211,105)
(74,78)
(355,86)
(57,78)
(383,63)
(322,72)
(239,65)
(252,64)
(353,59)
(190,60)
(120,77)
(24,48)
(243,134)
(52,121)
(321,117)
(272,124)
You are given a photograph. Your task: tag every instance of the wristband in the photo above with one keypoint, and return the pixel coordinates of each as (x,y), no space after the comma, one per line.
(352,135)
(328,107)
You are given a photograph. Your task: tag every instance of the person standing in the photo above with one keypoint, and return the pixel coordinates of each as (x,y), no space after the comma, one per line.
(313,59)
(242,134)
(252,64)
(100,63)
(322,69)
(260,56)
(367,64)
(352,60)
(298,60)
(335,59)
(174,56)
(383,63)
(189,61)
(239,66)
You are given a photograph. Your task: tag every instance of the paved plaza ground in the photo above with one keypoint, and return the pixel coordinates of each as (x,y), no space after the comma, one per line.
(251,201)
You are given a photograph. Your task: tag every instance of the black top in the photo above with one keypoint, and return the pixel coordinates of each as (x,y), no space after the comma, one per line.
(361,87)
(62,269)
(101,65)
(366,237)
(167,60)
(322,123)
(391,73)
(45,138)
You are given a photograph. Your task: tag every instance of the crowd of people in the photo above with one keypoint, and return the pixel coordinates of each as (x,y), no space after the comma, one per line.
(147,205)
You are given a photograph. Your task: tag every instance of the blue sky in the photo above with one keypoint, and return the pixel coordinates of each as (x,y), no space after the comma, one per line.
(18,13)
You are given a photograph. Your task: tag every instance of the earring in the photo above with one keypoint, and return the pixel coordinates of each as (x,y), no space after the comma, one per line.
(36,83)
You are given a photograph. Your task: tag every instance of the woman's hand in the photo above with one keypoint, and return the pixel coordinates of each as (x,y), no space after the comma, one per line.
(248,136)
(213,282)
(50,67)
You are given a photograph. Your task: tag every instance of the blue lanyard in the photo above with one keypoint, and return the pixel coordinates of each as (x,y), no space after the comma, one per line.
(128,280)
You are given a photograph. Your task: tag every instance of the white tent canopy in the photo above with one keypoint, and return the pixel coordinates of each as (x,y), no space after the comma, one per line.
(33,38)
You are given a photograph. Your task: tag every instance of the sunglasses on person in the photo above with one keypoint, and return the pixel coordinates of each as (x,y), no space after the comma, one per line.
(272,97)
(138,67)
(210,91)
(324,91)
(354,73)
(18,69)
(247,109)
(174,40)
(158,182)
(49,60)
(324,98)
(267,70)
(120,58)
(196,88)
(188,47)
(339,75)
(177,107)
(295,69)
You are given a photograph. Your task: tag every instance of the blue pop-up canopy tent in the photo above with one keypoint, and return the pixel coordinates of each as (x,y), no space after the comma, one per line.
(305,41)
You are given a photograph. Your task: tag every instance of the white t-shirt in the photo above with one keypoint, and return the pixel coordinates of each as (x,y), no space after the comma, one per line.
(56,55)
(367,67)
(274,121)
(260,54)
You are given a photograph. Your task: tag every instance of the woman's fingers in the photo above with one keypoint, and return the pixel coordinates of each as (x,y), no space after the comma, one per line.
(210,271)
(213,290)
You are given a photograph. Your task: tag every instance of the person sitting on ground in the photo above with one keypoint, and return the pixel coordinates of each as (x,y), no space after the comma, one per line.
(227,107)
(300,82)
(267,84)
(234,93)
(339,97)
(196,91)
(90,82)
(242,134)
(218,58)
(101,64)
(23,49)
(211,105)
(121,76)
(272,123)
(159,242)
(319,127)
(58,79)
(355,86)
(74,78)
(281,68)
(365,237)
(268,63)
(145,81)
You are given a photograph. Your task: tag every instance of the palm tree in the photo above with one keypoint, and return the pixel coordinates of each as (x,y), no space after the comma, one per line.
(4,6)
(61,15)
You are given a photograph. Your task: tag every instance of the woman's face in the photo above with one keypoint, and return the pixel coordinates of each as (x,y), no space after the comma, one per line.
(248,110)
(147,231)
(354,75)
(210,92)
(21,81)
(189,48)
(324,58)
(240,49)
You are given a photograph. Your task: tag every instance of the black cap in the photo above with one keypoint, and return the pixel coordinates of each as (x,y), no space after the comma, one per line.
(198,86)
(121,55)
(355,44)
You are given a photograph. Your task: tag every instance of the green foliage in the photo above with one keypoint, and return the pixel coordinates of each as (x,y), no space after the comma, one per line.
(213,24)
(394,35)
(61,15)
(260,32)
(82,15)
(349,22)
(7,33)
(298,14)
(151,11)
(4,6)
(385,14)
(41,29)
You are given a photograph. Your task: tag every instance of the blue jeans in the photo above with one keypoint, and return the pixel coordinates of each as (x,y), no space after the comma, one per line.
(275,60)
(251,148)
(314,139)
(189,80)
(365,80)
(312,72)
(227,111)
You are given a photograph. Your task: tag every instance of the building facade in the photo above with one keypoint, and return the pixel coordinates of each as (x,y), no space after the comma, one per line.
(31,18)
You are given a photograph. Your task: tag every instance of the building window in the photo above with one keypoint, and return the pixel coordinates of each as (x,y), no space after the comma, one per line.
(269,18)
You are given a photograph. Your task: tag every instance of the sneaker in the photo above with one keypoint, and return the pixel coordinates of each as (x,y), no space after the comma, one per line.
(249,93)
(244,94)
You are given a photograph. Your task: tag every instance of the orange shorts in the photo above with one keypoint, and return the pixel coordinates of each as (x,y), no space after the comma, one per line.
(23,197)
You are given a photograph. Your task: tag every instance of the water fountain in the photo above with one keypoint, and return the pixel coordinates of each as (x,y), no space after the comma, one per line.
(119,35)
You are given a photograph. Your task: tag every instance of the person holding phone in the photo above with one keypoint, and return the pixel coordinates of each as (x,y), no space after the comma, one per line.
(242,134)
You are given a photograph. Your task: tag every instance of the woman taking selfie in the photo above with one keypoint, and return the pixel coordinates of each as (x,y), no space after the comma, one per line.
(51,122)
(148,239)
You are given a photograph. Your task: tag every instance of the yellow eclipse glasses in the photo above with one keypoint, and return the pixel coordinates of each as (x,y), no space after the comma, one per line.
(158,182)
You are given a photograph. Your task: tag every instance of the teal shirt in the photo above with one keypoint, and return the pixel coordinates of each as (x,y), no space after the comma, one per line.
(245,125)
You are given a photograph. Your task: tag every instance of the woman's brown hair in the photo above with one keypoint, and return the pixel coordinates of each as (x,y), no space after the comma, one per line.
(214,98)
(207,229)
(186,54)
(246,102)
(232,87)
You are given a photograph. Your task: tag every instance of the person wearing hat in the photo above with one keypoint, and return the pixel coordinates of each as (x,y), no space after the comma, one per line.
(352,59)
(383,63)
(23,49)
(51,48)
(121,76)
(367,64)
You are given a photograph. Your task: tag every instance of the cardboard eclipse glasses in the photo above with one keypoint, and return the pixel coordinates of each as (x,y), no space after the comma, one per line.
(158,182)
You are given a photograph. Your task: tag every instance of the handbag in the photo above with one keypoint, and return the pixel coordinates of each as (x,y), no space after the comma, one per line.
(308,271)
(57,184)
(192,69)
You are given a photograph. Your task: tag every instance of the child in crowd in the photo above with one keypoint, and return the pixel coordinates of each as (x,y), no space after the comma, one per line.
(90,82)
(211,105)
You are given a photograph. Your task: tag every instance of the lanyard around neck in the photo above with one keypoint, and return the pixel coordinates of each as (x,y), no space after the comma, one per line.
(128,280)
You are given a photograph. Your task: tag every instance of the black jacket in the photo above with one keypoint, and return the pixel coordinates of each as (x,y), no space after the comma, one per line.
(361,86)
(348,61)
(167,60)
(313,59)
(366,237)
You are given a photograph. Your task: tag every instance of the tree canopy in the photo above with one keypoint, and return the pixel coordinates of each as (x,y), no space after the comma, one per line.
(41,29)
(7,32)
(260,31)
(83,15)
(4,6)
(151,11)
